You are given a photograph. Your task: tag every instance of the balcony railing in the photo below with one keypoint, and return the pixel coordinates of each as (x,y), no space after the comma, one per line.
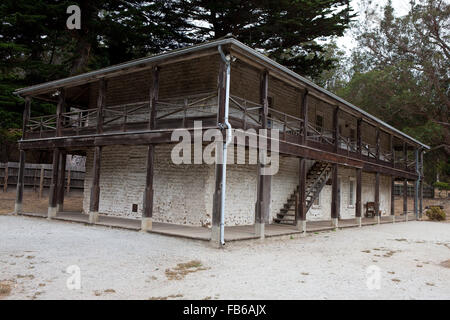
(182,111)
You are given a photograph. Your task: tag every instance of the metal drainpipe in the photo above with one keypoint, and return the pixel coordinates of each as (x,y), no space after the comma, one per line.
(227,60)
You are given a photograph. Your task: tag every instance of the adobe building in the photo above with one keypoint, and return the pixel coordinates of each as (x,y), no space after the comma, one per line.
(336,161)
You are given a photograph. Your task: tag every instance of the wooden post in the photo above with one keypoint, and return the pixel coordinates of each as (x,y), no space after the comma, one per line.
(304,116)
(300,217)
(405,197)
(147,213)
(335,206)
(358,137)
(262,205)
(52,197)
(421,186)
(392,151)
(101,102)
(392,198)
(69,172)
(18,208)
(215,220)
(336,128)
(416,185)
(95,188)
(61,181)
(41,181)
(405,156)
(5,178)
(377,143)
(59,110)
(358,204)
(264,99)
(154,93)
(377,196)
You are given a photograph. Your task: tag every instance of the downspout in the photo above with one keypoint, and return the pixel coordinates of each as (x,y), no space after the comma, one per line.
(227,60)
(416,193)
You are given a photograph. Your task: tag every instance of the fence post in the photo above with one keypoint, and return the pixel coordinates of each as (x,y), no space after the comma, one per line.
(41,181)
(5,186)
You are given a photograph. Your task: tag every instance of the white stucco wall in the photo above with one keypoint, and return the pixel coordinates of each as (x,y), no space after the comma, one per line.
(183,194)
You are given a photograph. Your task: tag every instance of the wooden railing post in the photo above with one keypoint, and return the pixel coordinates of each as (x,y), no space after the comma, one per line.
(336,128)
(101,102)
(304,116)
(154,93)
(264,99)
(358,137)
(59,110)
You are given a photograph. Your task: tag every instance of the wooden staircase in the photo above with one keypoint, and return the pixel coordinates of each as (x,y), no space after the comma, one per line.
(315,181)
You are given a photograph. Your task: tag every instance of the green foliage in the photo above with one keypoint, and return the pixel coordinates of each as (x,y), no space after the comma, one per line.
(442,185)
(435,214)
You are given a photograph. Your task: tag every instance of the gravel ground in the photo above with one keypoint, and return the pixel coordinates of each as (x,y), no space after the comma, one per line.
(120,264)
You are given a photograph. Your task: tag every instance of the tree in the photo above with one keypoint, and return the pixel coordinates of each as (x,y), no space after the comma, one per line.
(400,73)
(285,30)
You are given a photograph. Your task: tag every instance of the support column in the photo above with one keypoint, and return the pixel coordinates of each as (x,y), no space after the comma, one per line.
(358,204)
(52,195)
(392,198)
(61,181)
(18,206)
(147,213)
(95,187)
(359,137)
(405,198)
(215,219)
(262,207)
(336,128)
(335,207)
(300,216)
(377,197)
(154,92)
(416,186)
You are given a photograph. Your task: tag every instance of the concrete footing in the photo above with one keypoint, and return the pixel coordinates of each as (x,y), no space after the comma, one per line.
(146,224)
(359,221)
(406,217)
(301,226)
(260,229)
(215,236)
(59,208)
(378,219)
(51,213)
(335,222)
(93,217)
(393,218)
(18,208)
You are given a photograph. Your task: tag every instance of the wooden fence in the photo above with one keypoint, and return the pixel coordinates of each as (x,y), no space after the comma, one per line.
(39,176)
(428,191)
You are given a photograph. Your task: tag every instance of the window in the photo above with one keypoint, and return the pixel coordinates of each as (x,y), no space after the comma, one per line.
(319,122)
(352,134)
(351,193)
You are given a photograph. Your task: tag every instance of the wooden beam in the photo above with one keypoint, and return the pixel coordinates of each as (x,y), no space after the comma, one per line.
(304,117)
(95,187)
(358,203)
(263,199)
(26,117)
(148,194)
(421,185)
(101,102)
(405,156)
(154,94)
(221,94)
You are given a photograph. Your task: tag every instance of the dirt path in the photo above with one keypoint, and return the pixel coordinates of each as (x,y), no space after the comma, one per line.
(32,203)
(413,261)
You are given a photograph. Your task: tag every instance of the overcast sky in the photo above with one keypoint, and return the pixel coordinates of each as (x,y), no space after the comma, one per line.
(347,42)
